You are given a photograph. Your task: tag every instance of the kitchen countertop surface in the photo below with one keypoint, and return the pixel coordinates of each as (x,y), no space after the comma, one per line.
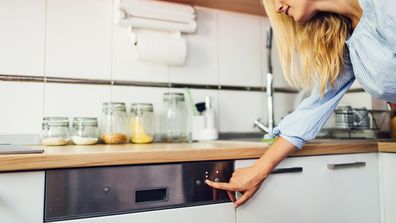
(108,155)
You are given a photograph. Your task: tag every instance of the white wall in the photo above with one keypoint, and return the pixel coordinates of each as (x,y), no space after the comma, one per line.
(79,39)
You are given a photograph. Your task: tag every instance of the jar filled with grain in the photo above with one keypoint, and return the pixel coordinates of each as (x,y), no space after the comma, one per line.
(55,131)
(142,123)
(85,131)
(114,126)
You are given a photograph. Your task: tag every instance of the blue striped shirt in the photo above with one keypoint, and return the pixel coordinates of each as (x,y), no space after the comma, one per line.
(370,59)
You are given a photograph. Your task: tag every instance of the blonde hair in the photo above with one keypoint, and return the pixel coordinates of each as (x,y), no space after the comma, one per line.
(311,52)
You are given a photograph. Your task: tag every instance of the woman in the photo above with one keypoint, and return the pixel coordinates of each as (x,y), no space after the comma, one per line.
(337,41)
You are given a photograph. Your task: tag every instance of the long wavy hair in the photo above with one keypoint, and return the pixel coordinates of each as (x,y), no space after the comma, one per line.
(312,52)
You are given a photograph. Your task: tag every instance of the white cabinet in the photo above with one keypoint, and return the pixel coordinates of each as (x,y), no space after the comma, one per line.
(282,198)
(347,193)
(388,187)
(22,197)
(219,213)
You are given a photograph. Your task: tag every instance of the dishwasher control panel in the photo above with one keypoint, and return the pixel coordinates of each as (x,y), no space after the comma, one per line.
(100,191)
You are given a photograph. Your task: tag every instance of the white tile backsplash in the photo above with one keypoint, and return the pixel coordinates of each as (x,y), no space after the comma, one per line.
(240,46)
(279,79)
(238,110)
(22,37)
(202,59)
(79,34)
(131,95)
(80,39)
(72,100)
(22,108)
(357,100)
(283,105)
(125,66)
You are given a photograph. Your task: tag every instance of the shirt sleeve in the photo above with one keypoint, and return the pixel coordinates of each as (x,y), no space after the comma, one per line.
(305,122)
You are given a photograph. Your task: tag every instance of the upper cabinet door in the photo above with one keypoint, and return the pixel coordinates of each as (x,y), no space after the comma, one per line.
(79,38)
(22,37)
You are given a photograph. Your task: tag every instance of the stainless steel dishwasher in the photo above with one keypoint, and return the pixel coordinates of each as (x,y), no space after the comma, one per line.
(140,193)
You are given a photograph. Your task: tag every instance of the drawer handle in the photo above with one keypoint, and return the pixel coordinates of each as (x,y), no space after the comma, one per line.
(287,170)
(345,165)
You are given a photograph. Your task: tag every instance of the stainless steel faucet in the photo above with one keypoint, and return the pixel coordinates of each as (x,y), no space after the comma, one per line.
(269,89)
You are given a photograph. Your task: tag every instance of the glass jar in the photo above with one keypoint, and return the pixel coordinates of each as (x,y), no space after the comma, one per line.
(173,120)
(85,131)
(142,123)
(114,126)
(55,131)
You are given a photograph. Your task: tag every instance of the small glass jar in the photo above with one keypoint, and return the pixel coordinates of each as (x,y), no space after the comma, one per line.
(85,131)
(142,123)
(55,131)
(114,126)
(173,121)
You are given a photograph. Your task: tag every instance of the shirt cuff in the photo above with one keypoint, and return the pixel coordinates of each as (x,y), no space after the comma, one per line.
(298,142)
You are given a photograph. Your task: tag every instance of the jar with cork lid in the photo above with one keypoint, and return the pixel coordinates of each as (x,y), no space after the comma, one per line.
(114,125)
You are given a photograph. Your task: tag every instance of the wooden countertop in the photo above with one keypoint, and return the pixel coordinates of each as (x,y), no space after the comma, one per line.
(108,155)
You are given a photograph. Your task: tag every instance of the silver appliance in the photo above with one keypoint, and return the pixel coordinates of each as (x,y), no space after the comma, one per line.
(111,191)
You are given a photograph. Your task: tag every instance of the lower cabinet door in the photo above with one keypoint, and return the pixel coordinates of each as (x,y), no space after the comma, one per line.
(330,189)
(22,197)
(346,189)
(219,213)
(282,198)
(388,186)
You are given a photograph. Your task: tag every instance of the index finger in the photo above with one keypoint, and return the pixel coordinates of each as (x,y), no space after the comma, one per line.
(220,185)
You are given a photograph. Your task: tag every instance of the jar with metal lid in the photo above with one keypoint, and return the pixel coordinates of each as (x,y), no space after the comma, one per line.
(142,123)
(114,126)
(55,131)
(173,120)
(85,131)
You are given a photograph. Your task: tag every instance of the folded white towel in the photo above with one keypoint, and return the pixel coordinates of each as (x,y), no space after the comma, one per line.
(155,24)
(160,5)
(157,13)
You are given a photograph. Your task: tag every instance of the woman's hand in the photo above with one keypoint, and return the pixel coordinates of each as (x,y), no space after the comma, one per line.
(248,180)
(245,180)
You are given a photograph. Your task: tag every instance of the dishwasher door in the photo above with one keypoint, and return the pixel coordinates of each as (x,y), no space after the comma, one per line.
(219,213)
(117,191)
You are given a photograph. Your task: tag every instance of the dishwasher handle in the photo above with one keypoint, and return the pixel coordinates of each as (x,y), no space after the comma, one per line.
(287,170)
(335,166)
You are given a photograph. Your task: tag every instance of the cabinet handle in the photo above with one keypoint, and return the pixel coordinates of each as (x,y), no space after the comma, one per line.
(345,165)
(287,170)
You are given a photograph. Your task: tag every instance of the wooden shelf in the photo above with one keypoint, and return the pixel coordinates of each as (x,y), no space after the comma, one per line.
(244,6)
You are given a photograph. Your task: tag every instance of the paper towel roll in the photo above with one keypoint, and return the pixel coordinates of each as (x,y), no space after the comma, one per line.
(161,47)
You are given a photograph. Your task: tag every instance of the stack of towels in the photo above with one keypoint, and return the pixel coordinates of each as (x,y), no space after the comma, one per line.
(157,27)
